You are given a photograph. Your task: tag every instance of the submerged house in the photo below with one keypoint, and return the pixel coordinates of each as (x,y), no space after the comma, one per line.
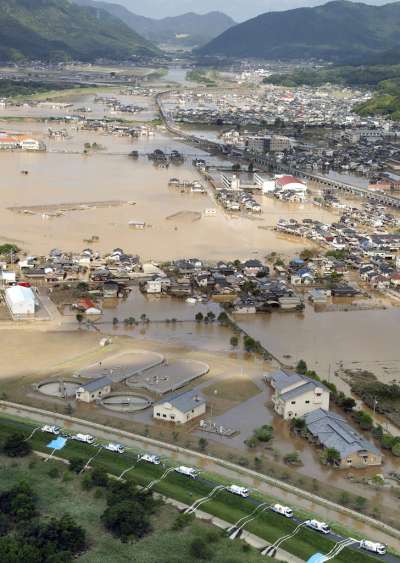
(331,430)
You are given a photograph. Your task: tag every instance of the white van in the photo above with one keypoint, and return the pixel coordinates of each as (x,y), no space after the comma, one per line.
(116,448)
(51,429)
(150,458)
(318,526)
(236,490)
(375,547)
(188,471)
(85,438)
(284,510)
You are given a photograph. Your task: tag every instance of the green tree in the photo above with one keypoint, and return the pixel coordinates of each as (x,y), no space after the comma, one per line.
(264,433)
(292,458)
(16,445)
(126,519)
(79,317)
(348,404)
(223,318)
(301,367)
(203,444)
(199,317)
(234,341)
(332,456)
(360,503)
(249,344)
(396,449)
(211,316)
(76,464)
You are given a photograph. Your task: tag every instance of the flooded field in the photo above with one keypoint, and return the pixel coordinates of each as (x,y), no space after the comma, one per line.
(329,341)
(64,174)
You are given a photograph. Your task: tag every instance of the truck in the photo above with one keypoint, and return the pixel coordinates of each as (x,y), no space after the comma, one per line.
(237,490)
(51,429)
(85,438)
(318,526)
(188,471)
(116,448)
(374,547)
(284,510)
(150,458)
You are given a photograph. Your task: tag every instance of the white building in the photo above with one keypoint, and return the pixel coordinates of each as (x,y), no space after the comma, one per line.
(94,390)
(296,395)
(231,182)
(266,185)
(20,300)
(290,184)
(180,408)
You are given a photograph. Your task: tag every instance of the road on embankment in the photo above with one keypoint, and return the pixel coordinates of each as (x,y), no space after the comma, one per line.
(360,524)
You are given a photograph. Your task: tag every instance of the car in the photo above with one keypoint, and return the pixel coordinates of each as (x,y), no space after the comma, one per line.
(374,547)
(188,471)
(51,429)
(318,526)
(284,510)
(150,458)
(236,490)
(116,448)
(86,438)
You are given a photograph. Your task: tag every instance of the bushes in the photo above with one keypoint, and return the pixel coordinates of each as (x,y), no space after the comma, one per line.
(127,519)
(128,512)
(24,538)
(364,420)
(263,434)
(200,550)
(16,446)
(76,464)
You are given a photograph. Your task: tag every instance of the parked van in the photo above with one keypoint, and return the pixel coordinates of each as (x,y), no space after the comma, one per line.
(236,490)
(374,547)
(188,471)
(318,526)
(116,448)
(284,510)
(51,429)
(85,438)
(150,458)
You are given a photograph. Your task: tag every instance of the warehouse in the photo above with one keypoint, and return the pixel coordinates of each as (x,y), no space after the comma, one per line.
(20,300)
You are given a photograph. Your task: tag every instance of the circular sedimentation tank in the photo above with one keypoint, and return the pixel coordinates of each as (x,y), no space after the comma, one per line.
(59,389)
(124,402)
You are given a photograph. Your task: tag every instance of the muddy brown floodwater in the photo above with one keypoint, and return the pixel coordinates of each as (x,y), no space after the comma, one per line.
(64,175)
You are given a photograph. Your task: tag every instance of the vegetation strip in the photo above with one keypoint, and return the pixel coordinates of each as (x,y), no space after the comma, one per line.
(225,506)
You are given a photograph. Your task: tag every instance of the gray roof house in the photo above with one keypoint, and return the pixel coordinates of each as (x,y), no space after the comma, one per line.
(296,394)
(333,431)
(94,389)
(180,408)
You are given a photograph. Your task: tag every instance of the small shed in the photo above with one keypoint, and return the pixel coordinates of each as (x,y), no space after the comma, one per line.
(89,392)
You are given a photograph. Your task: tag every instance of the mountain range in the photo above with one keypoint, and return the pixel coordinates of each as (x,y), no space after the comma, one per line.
(61,30)
(187,29)
(339,31)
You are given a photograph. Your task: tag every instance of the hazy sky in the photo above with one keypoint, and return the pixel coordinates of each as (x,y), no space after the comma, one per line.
(239,9)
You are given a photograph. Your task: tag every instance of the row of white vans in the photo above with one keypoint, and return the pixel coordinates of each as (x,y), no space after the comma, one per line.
(193,473)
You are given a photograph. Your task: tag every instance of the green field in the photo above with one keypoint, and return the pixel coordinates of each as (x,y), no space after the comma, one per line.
(226,506)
